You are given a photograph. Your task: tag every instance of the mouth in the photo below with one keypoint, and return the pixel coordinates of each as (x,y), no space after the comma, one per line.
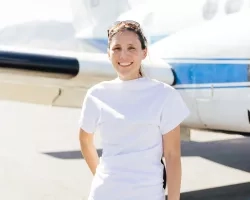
(127,64)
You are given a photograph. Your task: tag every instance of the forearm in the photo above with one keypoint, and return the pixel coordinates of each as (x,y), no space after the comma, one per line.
(90,155)
(173,167)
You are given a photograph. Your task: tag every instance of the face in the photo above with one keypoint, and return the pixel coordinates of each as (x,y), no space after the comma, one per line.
(126,54)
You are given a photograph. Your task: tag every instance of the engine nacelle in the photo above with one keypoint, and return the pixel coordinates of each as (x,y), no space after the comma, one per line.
(23,62)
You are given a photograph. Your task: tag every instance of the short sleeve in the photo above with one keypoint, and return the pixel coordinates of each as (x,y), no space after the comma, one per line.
(89,113)
(174,111)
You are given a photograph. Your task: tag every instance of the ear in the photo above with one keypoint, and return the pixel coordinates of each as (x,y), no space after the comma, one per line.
(145,53)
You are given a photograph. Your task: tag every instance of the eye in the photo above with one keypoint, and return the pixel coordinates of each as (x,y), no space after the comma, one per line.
(131,48)
(116,48)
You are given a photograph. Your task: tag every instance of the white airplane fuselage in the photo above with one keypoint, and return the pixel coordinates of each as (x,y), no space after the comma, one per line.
(216,91)
(211,64)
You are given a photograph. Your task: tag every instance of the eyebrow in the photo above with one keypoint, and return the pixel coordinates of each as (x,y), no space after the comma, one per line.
(120,44)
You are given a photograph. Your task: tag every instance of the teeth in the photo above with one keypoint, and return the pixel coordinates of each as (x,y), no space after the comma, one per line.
(125,64)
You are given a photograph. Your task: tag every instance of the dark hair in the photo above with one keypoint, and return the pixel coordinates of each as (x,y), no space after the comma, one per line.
(128,25)
(164,175)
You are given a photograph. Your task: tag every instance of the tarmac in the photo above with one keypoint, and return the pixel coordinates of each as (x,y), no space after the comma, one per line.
(40,158)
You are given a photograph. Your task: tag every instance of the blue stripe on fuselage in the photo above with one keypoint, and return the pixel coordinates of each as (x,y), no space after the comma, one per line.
(214,87)
(209,73)
(206,59)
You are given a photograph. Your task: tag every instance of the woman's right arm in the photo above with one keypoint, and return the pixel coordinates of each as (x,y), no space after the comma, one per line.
(88,150)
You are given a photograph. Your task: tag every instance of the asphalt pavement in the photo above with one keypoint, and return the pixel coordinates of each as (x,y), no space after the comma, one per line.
(40,158)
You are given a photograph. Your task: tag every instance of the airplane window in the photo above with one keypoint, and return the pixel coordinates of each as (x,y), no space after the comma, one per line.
(210,9)
(233,6)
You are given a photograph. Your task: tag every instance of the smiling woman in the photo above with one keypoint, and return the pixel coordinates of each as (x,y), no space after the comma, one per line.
(127,49)
(138,120)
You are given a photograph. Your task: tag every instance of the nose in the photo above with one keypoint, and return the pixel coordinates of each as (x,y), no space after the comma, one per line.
(123,54)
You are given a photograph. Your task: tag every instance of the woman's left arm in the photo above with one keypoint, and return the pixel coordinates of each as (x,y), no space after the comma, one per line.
(172,155)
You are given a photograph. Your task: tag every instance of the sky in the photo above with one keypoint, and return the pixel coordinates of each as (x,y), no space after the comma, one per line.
(18,11)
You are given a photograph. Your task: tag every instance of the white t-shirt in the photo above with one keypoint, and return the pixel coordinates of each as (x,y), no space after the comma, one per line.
(131,117)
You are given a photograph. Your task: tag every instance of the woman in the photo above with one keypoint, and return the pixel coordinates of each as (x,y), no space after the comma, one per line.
(138,119)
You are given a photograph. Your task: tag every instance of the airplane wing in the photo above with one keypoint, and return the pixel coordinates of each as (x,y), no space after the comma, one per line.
(61,78)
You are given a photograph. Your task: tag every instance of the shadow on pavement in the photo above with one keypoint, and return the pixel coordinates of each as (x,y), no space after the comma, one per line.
(230,192)
(70,154)
(233,153)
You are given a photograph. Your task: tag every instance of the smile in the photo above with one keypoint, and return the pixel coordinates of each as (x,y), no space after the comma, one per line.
(125,64)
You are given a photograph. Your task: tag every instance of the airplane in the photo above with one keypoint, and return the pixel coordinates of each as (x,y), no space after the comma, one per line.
(208,64)
(158,21)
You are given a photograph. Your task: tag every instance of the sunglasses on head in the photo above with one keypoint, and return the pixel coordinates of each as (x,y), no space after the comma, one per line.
(130,23)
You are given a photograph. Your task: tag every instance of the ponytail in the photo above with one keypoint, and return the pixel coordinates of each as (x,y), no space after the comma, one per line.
(140,72)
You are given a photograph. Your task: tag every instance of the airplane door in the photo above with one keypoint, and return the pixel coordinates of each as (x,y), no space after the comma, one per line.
(203,76)
(200,76)
(204,105)
(196,79)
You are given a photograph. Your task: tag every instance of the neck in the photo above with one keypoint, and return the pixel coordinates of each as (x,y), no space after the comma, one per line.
(129,78)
